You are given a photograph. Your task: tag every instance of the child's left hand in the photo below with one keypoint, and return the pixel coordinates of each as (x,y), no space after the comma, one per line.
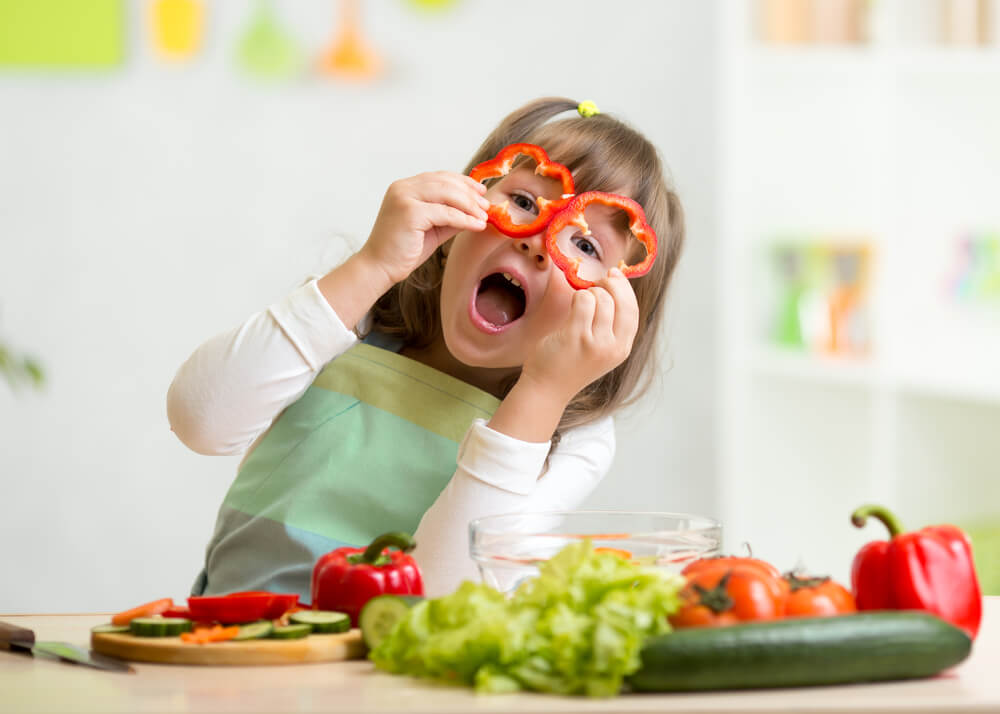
(596,337)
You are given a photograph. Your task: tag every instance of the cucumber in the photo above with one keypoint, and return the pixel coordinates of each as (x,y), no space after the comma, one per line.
(798,651)
(159,626)
(255,630)
(110,629)
(323,621)
(291,632)
(380,615)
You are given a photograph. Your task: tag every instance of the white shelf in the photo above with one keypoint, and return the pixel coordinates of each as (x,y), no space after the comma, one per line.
(947,60)
(842,371)
(892,144)
(969,387)
(820,60)
(974,384)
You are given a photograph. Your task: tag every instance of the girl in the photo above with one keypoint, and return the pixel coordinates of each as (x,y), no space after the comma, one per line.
(484,383)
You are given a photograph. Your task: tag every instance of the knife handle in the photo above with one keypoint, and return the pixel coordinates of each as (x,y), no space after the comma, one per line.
(14,635)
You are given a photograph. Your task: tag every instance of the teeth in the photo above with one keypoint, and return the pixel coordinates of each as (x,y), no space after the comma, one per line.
(512,279)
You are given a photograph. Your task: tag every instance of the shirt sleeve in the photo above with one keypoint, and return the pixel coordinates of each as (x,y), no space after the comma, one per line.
(233,387)
(499,474)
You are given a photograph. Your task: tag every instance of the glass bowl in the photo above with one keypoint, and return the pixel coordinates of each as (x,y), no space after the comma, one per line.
(507,548)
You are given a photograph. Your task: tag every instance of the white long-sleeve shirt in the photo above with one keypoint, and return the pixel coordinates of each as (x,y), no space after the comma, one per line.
(230,391)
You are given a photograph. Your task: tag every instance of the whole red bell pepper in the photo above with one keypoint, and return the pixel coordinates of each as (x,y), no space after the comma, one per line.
(346,578)
(931,569)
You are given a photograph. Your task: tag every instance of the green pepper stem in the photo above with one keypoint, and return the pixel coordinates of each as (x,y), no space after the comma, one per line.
(861,515)
(403,541)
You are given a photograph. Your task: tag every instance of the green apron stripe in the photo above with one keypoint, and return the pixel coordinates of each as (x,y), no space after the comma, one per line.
(408,389)
(293,484)
(423,374)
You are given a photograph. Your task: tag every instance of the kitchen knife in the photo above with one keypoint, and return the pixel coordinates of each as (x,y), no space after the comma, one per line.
(20,639)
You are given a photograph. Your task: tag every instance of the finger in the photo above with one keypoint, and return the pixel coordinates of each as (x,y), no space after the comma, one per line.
(604,312)
(437,215)
(453,190)
(581,312)
(460,178)
(626,316)
(479,186)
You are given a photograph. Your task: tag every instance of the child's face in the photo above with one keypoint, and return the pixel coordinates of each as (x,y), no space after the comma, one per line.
(488,319)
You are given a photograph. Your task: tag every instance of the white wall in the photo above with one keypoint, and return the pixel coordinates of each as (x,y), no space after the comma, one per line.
(145,209)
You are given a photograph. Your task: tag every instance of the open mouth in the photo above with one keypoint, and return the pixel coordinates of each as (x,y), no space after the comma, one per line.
(500,300)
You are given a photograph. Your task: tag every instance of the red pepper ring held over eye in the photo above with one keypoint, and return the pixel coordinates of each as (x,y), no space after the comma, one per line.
(501,165)
(572,214)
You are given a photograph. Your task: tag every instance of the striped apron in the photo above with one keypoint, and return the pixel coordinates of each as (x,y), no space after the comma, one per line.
(366,450)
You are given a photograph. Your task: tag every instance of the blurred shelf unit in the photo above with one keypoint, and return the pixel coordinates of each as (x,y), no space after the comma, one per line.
(860,270)
(864,59)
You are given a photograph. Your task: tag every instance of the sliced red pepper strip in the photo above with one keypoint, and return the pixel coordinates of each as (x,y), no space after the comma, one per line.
(501,165)
(572,214)
(241,607)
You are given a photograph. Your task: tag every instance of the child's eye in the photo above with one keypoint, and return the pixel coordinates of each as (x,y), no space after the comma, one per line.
(525,203)
(586,246)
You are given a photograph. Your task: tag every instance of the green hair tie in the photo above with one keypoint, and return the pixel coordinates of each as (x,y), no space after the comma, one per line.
(588,109)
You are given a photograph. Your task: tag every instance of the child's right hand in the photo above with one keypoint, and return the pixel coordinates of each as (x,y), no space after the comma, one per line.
(420,213)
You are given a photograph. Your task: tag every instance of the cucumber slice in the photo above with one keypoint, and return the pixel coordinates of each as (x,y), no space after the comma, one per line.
(323,621)
(110,629)
(380,615)
(159,626)
(291,632)
(255,630)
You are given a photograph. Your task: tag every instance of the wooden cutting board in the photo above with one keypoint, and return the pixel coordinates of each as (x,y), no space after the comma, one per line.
(171,650)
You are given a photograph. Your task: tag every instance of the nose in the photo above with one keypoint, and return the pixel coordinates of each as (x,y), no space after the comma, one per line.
(534,248)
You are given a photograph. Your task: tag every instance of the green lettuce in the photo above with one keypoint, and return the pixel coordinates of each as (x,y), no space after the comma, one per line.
(577,628)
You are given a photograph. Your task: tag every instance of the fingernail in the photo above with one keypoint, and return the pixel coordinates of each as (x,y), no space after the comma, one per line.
(484,202)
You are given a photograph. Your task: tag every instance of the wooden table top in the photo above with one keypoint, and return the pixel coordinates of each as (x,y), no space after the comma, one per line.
(41,684)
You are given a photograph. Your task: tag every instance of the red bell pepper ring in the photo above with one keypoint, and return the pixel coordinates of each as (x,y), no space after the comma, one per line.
(572,215)
(931,569)
(345,579)
(501,165)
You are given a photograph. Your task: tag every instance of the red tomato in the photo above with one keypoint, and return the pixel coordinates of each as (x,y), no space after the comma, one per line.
(696,615)
(724,561)
(817,596)
(730,592)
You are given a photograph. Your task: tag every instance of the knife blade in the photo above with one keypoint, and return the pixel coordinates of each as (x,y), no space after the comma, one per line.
(20,639)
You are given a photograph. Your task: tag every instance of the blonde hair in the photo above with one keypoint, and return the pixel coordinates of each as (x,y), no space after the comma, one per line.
(604,154)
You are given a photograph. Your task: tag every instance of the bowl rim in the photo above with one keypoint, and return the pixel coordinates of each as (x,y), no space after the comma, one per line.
(709,523)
